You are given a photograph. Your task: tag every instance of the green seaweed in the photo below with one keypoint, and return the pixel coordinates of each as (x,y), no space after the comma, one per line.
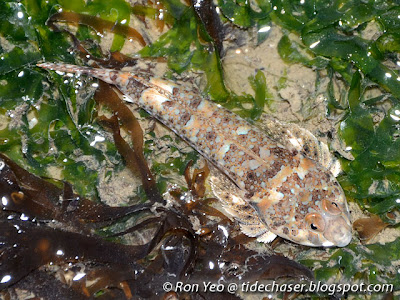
(331,36)
(326,34)
(372,264)
(376,152)
(20,49)
(242,14)
(54,138)
(177,45)
(257,103)
(293,52)
(372,178)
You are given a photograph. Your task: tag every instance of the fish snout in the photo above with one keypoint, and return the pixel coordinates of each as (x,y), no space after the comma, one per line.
(338,231)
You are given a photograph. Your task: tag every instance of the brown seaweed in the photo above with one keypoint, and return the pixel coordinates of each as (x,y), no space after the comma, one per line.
(112,60)
(23,192)
(133,156)
(196,182)
(388,296)
(180,253)
(27,245)
(98,24)
(206,12)
(45,286)
(369,227)
(159,22)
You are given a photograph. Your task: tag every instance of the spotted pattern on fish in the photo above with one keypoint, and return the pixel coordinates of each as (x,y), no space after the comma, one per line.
(288,193)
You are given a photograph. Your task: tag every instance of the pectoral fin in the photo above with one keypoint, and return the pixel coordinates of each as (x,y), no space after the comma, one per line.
(241,210)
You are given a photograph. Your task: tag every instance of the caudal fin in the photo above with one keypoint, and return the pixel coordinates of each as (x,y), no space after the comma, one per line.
(107,75)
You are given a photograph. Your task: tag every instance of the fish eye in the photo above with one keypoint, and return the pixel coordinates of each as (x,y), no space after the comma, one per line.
(331,207)
(315,222)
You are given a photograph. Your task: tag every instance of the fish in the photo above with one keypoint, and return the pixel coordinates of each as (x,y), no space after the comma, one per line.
(273,187)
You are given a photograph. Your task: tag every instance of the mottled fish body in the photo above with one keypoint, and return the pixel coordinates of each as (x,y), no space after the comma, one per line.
(278,189)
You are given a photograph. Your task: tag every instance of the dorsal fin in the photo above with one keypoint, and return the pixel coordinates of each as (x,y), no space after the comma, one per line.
(293,136)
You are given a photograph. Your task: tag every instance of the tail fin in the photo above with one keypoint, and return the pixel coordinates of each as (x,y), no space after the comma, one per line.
(118,78)
(106,75)
(66,68)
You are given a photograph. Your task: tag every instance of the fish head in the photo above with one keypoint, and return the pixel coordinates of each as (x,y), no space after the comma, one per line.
(327,223)
(314,214)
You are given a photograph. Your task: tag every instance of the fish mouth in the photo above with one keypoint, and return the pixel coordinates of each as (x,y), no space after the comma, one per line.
(345,240)
(339,232)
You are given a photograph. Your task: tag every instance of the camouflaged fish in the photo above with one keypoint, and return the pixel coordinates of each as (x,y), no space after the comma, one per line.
(275,187)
